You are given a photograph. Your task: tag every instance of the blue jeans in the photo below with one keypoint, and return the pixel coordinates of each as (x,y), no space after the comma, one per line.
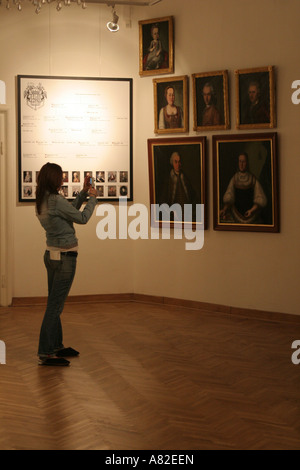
(60,277)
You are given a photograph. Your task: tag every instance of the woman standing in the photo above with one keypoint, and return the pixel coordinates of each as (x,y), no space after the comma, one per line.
(57,216)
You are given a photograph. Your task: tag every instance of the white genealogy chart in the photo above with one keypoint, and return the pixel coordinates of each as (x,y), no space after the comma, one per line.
(82,124)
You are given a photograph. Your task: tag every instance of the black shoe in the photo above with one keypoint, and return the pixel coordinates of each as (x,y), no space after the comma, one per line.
(54,361)
(67,352)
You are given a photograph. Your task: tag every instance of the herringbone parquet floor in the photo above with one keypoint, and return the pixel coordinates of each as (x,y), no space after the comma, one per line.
(150,377)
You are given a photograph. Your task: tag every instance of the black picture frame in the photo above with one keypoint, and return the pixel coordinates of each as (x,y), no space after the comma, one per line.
(66,120)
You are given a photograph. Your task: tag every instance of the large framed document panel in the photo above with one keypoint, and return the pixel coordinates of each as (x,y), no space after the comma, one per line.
(82,124)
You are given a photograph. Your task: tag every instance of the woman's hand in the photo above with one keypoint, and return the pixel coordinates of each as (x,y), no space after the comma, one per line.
(93,192)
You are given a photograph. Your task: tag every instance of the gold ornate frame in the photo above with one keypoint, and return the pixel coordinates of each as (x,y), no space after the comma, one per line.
(218,108)
(166,33)
(261,115)
(180,87)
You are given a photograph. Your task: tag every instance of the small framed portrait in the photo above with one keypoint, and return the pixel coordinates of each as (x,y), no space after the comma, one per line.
(27,176)
(27,191)
(75,176)
(123,190)
(177,181)
(156,46)
(171,113)
(112,176)
(75,190)
(100,176)
(112,191)
(100,190)
(245,182)
(123,176)
(255,91)
(210,101)
(65,176)
(65,191)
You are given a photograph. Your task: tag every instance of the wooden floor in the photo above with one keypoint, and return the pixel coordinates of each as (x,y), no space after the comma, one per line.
(150,377)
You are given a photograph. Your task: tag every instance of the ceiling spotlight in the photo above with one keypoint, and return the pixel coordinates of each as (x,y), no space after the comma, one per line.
(113,25)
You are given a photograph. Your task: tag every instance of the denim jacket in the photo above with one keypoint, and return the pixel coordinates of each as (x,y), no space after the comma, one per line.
(58,215)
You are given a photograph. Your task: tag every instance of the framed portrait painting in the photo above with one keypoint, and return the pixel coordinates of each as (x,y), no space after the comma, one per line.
(156,46)
(210,101)
(245,182)
(177,181)
(171,105)
(255,91)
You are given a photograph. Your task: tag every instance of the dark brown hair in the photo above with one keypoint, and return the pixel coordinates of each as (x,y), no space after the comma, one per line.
(48,181)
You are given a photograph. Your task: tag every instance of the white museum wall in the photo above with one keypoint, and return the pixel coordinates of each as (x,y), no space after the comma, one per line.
(72,42)
(247,270)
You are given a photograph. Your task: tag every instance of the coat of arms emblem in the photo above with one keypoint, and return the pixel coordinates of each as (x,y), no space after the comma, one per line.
(35,96)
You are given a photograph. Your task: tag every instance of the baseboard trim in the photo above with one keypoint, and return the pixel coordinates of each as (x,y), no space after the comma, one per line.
(167,301)
(217,308)
(79,299)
